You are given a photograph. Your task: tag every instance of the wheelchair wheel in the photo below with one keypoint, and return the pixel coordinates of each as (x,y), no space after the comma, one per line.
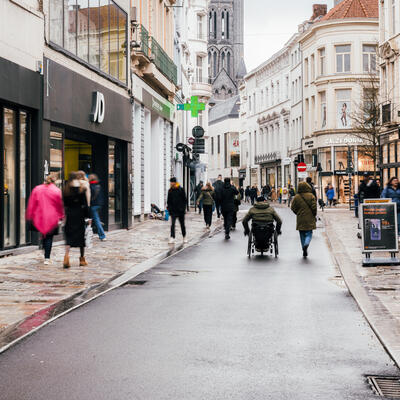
(249,245)
(276,244)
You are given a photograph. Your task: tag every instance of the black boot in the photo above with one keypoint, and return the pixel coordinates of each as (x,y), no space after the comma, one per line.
(227,237)
(305,252)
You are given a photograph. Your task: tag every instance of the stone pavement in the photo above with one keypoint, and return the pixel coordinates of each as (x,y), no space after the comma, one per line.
(376,290)
(27,285)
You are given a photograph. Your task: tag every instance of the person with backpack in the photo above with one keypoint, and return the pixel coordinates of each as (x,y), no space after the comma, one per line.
(96,203)
(305,207)
(176,206)
(207,197)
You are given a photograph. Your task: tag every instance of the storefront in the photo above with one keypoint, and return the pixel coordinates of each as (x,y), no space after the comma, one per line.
(88,128)
(271,171)
(390,155)
(333,152)
(20,91)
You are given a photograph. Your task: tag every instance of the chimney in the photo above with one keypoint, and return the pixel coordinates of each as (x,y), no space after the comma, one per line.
(319,10)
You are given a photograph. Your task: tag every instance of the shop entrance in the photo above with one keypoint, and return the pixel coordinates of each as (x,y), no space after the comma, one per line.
(78,157)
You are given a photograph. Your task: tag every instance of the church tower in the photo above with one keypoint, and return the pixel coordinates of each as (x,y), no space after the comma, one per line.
(225,47)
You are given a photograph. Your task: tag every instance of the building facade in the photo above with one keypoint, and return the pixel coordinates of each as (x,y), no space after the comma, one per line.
(339,58)
(389,44)
(225,47)
(21,63)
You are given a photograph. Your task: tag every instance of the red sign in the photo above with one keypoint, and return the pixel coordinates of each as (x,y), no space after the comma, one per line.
(302,167)
(191,141)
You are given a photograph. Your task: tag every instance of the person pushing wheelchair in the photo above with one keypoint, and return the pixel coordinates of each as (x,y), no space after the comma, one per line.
(262,213)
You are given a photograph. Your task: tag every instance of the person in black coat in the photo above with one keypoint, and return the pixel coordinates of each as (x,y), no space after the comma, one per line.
(176,205)
(253,195)
(369,189)
(197,192)
(313,191)
(76,211)
(218,185)
(227,199)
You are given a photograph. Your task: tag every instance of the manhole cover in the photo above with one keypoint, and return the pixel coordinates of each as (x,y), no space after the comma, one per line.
(386,386)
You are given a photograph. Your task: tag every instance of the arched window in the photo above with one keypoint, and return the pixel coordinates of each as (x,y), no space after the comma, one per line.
(223,60)
(223,25)
(209,64)
(228,63)
(227,25)
(215,63)
(215,25)
(210,24)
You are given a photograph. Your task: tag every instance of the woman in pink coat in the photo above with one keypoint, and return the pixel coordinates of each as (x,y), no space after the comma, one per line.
(45,210)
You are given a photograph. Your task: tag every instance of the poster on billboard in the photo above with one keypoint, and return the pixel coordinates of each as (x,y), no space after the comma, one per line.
(379,227)
(343,112)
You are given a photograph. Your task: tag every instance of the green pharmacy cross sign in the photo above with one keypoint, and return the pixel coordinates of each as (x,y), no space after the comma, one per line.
(194,106)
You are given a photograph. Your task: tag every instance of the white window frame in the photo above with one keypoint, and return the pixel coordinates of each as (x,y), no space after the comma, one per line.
(342,61)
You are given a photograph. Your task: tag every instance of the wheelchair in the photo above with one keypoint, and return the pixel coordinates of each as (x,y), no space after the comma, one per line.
(263,238)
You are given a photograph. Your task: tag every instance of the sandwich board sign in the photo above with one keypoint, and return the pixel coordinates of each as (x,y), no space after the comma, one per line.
(379,232)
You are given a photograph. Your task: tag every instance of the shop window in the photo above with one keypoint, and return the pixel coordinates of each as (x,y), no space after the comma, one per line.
(343,58)
(325,158)
(341,158)
(385,177)
(365,162)
(56,156)
(385,158)
(9,171)
(392,153)
(94,31)
(24,123)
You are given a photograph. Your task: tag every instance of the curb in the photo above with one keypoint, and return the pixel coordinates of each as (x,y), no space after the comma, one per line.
(31,324)
(383,324)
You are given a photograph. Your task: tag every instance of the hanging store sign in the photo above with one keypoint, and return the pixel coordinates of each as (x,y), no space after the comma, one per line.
(379,227)
(161,108)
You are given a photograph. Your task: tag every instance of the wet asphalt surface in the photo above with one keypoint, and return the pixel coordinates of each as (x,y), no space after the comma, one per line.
(208,324)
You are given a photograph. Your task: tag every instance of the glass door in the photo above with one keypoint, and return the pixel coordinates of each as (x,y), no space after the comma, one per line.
(114,183)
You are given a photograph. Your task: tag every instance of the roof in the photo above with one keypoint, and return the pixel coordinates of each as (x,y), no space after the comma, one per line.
(353,9)
(225,109)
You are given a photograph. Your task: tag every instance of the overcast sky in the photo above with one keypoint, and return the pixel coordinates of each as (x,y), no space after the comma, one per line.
(270,23)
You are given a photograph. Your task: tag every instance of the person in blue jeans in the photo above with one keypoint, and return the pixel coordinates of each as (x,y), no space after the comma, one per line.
(304,205)
(96,203)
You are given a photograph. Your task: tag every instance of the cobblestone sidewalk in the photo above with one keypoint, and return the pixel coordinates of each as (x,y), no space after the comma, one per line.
(376,290)
(27,285)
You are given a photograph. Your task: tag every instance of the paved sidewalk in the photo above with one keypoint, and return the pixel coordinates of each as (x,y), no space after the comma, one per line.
(27,285)
(376,290)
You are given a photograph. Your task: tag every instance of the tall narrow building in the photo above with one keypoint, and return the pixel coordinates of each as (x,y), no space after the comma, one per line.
(225,47)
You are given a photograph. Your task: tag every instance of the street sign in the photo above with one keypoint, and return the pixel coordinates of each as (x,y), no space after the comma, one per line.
(199,146)
(191,140)
(302,175)
(302,167)
(379,227)
(180,147)
(287,161)
(198,132)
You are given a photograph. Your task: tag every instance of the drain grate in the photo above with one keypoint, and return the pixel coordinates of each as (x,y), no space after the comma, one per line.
(386,386)
(134,283)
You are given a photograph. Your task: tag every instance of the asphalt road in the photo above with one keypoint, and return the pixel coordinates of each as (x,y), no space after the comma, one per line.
(208,324)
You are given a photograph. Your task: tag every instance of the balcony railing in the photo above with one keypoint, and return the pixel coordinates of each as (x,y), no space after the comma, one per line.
(163,62)
(144,41)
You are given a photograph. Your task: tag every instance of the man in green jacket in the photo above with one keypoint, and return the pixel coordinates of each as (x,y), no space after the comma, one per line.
(261,212)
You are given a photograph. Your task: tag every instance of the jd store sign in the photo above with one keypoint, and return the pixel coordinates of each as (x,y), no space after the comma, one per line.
(98,107)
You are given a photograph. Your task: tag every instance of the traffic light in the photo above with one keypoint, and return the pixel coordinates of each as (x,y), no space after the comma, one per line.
(199,146)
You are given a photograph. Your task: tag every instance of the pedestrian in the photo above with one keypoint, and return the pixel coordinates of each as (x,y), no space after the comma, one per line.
(280,195)
(285,194)
(305,207)
(330,195)
(369,189)
(237,201)
(96,203)
(273,195)
(392,191)
(292,193)
(218,185)
(227,196)
(241,191)
(45,211)
(253,194)
(176,205)
(197,192)
(207,197)
(76,211)
(310,182)
(261,212)
(247,194)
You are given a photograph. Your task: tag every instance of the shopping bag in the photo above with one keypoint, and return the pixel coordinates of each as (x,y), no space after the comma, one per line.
(166,215)
(88,236)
